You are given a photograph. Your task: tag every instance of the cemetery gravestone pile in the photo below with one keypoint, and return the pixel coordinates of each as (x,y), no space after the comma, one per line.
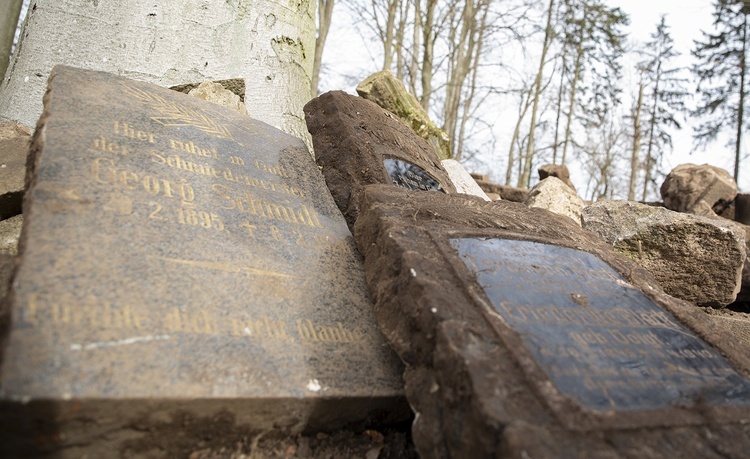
(524,335)
(180,261)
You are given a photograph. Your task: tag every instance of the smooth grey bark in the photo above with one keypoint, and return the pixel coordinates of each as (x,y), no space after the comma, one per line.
(8,21)
(269,43)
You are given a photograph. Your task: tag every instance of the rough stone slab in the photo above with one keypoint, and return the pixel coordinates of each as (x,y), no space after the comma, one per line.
(182,269)
(14,149)
(695,258)
(390,93)
(216,93)
(556,170)
(507,193)
(355,138)
(10,232)
(554,195)
(461,179)
(735,324)
(525,336)
(688,184)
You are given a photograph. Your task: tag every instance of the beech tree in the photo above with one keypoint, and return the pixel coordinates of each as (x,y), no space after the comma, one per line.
(722,76)
(325,13)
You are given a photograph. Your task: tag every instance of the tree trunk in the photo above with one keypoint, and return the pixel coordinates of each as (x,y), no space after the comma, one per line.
(325,12)
(525,175)
(741,110)
(389,33)
(428,38)
(555,145)
(173,43)
(574,89)
(649,164)
(416,46)
(461,58)
(8,24)
(636,143)
(525,103)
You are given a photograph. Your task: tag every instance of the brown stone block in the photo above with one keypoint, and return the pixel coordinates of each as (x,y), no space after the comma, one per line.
(180,265)
(525,336)
(359,143)
(14,149)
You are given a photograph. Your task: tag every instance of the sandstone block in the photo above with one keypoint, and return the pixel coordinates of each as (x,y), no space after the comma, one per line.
(555,196)
(461,179)
(695,258)
(688,184)
(14,149)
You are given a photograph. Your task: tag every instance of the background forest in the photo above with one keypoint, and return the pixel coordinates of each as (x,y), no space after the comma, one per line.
(520,83)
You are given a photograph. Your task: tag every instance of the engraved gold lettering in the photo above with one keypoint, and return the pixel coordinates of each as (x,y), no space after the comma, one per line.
(190,147)
(102,144)
(126,130)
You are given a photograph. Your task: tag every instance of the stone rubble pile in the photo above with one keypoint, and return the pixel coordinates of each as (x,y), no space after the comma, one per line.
(695,244)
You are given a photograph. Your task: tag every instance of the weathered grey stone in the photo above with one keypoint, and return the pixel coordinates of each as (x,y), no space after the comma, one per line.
(10,231)
(556,170)
(359,143)
(388,92)
(14,149)
(688,184)
(461,179)
(694,258)
(267,43)
(217,94)
(508,193)
(555,196)
(182,268)
(525,336)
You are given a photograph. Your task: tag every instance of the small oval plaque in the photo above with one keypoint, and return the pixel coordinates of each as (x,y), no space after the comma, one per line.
(409,176)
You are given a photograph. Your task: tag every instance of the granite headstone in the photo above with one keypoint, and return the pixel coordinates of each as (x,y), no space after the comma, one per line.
(180,261)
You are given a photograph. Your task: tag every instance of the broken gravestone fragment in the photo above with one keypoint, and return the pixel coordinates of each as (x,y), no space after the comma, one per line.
(555,196)
(462,180)
(525,336)
(390,93)
(217,94)
(10,231)
(688,184)
(14,149)
(694,258)
(556,170)
(182,266)
(359,143)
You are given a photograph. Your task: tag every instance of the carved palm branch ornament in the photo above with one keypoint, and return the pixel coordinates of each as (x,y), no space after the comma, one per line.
(172,114)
